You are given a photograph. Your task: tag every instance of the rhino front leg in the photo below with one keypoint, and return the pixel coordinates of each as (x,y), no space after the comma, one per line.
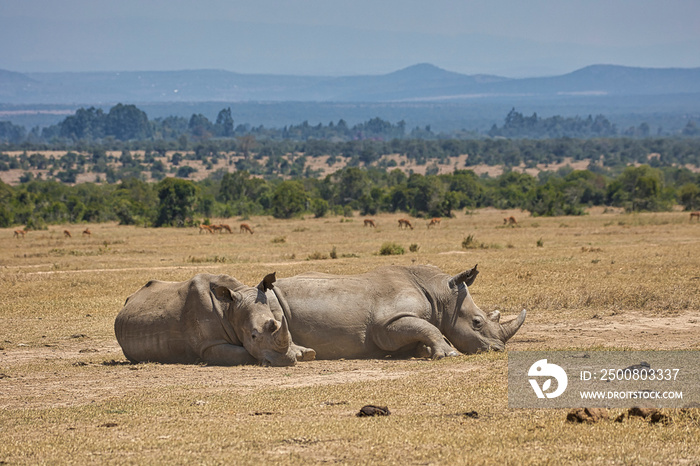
(226,354)
(408,330)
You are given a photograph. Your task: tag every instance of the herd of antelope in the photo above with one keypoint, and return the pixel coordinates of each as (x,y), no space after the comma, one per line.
(244,228)
(66,233)
(404,223)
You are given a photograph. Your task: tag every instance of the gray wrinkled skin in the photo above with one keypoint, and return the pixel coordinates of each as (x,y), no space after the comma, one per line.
(212,319)
(403,311)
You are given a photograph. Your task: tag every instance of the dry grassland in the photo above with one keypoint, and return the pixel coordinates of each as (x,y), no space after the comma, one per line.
(67,394)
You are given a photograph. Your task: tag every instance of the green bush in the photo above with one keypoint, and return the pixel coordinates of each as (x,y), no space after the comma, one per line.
(391,249)
(319,207)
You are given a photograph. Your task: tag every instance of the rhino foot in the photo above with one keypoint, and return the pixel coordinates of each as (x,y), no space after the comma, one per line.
(304,354)
(424,351)
(445,354)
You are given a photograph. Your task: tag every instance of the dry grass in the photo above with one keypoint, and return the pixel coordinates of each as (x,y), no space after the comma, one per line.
(602,280)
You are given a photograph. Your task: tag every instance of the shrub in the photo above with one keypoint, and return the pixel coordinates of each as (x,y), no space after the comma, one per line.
(391,249)
(319,207)
(470,243)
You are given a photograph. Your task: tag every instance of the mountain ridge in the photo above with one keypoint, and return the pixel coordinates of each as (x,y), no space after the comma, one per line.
(422,81)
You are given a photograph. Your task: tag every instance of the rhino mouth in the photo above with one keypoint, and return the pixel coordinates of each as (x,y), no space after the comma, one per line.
(275,359)
(496,346)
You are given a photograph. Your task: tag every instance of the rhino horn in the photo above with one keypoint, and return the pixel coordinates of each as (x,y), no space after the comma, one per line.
(467,277)
(509,328)
(281,335)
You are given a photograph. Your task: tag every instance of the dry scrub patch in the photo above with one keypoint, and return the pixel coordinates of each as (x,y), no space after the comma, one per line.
(603,280)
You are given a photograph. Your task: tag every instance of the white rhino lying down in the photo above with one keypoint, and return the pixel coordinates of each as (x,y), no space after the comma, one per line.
(404,311)
(213,319)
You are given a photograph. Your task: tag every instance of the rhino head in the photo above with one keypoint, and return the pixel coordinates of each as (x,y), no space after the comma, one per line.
(249,313)
(467,327)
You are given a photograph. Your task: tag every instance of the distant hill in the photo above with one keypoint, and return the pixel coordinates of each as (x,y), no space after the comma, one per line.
(420,95)
(421,82)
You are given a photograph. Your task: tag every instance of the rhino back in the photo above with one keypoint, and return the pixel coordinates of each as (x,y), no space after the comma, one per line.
(169,322)
(336,315)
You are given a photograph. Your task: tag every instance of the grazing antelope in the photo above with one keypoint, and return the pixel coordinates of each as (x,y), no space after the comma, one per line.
(19,233)
(370,223)
(510,221)
(404,223)
(434,222)
(223,227)
(205,228)
(246,228)
(215,228)
(66,234)
(87,232)
(696,215)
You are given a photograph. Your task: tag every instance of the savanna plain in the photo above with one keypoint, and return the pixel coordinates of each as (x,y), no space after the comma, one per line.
(606,280)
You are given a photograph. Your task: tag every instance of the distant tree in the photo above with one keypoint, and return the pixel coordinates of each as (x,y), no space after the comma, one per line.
(552,199)
(6,212)
(319,207)
(691,129)
(200,127)
(246,144)
(185,171)
(233,186)
(224,123)
(11,133)
(638,188)
(85,124)
(288,199)
(350,184)
(175,200)
(511,189)
(689,196)
(127,122)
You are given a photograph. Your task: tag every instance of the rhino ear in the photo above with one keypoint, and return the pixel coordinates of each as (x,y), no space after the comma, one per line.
(266,283)
(222,293)
(467,277)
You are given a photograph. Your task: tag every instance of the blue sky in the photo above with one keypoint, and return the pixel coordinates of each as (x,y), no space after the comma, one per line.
(512,38)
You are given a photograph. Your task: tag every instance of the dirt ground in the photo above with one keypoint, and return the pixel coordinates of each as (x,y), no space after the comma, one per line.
(68,395)
(51,388)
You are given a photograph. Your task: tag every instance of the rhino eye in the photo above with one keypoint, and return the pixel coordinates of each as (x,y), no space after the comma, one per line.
(477,322)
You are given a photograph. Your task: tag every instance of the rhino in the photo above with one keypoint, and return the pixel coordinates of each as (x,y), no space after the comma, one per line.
(399,311)
(212,319)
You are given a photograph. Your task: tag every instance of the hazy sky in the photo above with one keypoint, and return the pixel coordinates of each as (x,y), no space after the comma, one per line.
(308,37)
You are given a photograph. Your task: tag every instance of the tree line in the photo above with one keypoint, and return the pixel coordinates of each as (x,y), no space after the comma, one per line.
(271,159)
(181,202)
(128,123)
